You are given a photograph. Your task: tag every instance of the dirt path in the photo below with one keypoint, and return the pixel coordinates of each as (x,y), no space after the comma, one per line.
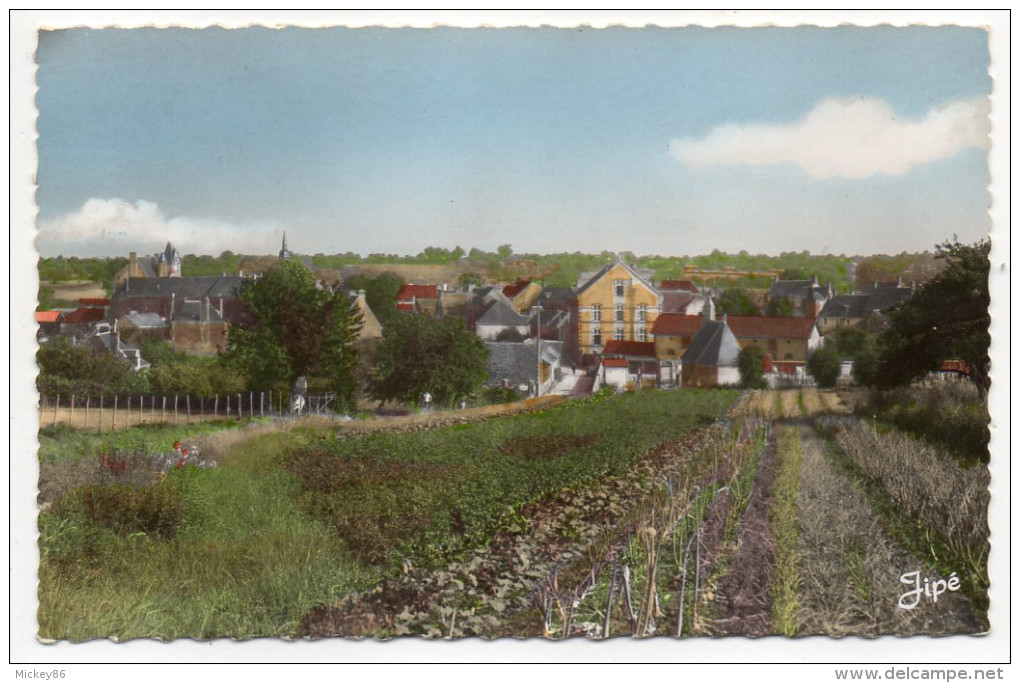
(851,568)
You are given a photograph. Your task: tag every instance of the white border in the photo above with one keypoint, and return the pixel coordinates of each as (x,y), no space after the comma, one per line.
(23,417)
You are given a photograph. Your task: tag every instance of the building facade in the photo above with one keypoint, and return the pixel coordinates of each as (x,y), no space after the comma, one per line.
(617,303)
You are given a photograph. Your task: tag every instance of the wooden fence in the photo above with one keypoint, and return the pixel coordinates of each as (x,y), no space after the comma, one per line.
(111,412)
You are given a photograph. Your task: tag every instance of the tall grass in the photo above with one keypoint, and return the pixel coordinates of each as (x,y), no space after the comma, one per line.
(941,505)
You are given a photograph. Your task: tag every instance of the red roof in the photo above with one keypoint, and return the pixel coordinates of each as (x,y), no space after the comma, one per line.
(676,301)
(629,348)
(411,292)
(742,326)
(747,326)
(960,366)
(676,325)
(47,316)
(682,285)
(82,316)
(93,302)
(615,362)
(510,291)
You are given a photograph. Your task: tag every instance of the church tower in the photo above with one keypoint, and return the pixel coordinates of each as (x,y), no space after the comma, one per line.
(284,252)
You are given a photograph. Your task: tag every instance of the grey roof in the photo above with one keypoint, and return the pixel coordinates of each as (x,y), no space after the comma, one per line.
(145,320)
(195,311)
(517,361)
(147,264)
(858,305)
(800,289)
(196,287)
(714,345)
(501,313)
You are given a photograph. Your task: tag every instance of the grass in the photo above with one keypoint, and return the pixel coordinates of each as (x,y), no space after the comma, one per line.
(786,574)
(62,443)
(265,536)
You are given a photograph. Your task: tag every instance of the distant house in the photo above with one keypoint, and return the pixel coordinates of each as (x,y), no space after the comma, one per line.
(711,358)
(630,364)
(104,338)
(678,286)
(517,365)
(787,341)
(523,294)
(562,300)
(81,321)
(166,263)
(616,303)
(166,296)
(498,317)
(134,324)
(865,309)
(48,322)
(806,297)
(418,298)
(198,329)
(673,333)
(683,302)
(371,328)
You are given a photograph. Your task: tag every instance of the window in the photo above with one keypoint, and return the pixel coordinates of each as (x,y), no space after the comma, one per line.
(642,312)
(596,313)
(642,334)
(620,288)
(596,337)
(618,333)
(619,313)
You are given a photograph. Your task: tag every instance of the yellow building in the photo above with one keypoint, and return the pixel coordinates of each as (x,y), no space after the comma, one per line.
(616,303)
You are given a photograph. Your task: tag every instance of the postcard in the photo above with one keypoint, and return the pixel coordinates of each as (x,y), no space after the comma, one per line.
(552,337)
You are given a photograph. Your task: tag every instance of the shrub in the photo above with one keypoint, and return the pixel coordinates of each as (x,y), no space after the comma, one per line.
(823,365)
(750,364)
(153,509)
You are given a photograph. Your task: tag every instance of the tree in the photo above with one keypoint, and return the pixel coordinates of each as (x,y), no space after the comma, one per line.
(300,330)
(419,354)
(947,319)
(380,293)
(468,279)
(781,307)
(750,363)
(735,301)
(823,365)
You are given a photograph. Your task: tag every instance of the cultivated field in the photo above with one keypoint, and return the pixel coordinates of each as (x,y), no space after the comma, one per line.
(643,514)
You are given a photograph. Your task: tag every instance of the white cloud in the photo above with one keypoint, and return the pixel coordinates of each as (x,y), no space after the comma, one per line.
(114,227)
(853,137)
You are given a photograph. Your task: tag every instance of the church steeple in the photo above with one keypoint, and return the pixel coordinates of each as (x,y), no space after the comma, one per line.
(284,252)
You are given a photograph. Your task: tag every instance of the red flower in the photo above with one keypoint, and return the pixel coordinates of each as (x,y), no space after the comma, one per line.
(180,463)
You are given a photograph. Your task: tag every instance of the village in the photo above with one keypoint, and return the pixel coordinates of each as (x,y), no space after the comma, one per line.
(617,327)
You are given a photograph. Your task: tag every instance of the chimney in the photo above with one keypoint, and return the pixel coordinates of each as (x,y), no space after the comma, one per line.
(221,306)
(899,281)
(173,303)
(208,315)
(361,294)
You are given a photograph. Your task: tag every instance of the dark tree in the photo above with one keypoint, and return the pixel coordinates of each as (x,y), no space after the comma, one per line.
(947,319)
(735,301)
(301,330)
(823,365)
(419,354)
(380,293)
(750,363)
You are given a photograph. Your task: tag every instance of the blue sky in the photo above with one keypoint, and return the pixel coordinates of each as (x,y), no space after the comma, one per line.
(657,141)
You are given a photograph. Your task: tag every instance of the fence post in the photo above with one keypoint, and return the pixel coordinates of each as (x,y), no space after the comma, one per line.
(70,420)
(175,408)
(251,404)
(100,429)
(262,404)
(129,412)
(201,408)
(240,406)
(270,401)
(88,404)
(115,397)
(216,405)
(189,408)
(163,416)
(55,406)
(228,406)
